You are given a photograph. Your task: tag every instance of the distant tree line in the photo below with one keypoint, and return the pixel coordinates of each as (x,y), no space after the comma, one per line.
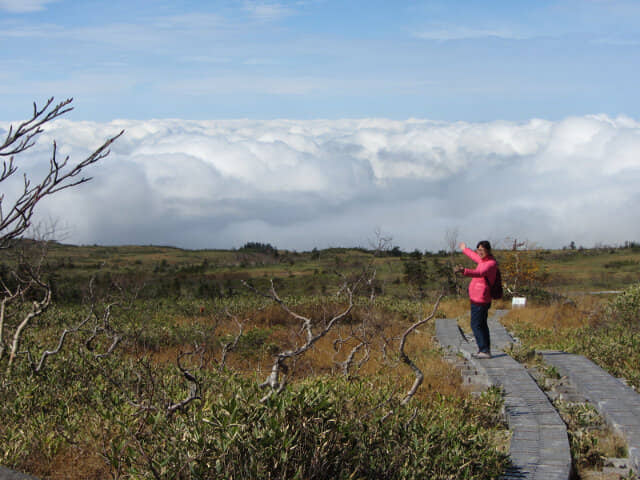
(259,247)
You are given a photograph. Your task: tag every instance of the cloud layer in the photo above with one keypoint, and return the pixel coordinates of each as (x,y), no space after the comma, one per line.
(304,184)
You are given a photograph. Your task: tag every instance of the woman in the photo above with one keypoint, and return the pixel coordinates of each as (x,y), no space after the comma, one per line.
(479,292)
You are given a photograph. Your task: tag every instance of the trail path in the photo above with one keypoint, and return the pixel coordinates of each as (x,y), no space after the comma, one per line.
(7,474)
(539,446)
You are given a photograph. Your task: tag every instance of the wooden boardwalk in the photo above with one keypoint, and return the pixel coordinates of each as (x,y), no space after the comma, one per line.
(539,446)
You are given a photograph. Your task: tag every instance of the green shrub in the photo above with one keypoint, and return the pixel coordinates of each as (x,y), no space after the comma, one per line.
(539,295)
(252,343)
(625,307)
(321,428)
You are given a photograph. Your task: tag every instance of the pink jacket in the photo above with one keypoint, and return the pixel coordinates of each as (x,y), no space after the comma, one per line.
(479,291)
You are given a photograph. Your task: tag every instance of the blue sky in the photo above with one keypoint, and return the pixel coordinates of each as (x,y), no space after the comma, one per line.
(443,60)
(315,123)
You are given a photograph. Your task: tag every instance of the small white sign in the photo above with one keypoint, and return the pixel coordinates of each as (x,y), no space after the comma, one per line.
(518,302)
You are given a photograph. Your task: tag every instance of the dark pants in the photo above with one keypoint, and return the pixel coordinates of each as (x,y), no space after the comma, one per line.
(479,314)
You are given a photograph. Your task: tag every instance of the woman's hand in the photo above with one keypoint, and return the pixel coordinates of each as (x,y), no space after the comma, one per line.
(462,245)
(458,269)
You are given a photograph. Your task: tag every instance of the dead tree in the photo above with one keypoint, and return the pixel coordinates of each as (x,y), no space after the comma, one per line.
(231,345)
(16,218)
(277,379)
(194,390)
(407,360)
(516,245)
(24,292)
(25,296)
(95,324)
(364,334)
(451,239)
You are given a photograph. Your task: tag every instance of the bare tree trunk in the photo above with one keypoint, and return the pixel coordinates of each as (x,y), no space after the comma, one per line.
(405,358)
(38,308)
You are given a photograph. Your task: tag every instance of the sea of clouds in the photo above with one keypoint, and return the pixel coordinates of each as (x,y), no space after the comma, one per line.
(301,184)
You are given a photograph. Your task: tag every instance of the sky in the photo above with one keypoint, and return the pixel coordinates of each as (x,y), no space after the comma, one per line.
(315,123)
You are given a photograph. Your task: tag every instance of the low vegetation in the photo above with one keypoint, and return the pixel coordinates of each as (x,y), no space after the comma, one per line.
(321,427)
(92,416)
(180,394)
(180,397)
(591,441)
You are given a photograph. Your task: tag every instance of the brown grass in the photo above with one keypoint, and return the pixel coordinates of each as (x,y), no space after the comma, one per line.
(80,462)
(454,307)
(612,444)
(559,316)
(383,331)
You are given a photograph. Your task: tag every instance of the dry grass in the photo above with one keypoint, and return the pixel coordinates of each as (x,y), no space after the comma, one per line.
(557,317)
(612,444)
(75,461)
(279,331)
(599,476)
(454,307)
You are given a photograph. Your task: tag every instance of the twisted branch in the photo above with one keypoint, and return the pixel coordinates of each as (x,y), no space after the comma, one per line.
(18,218)
(232,345)
(194,391)
(405,358)
(279,367)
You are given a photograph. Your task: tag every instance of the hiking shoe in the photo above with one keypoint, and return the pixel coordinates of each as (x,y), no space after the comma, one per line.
(481,355)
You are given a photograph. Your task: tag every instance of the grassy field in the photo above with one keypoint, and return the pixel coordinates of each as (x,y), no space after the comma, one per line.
(171,272)
(187,326)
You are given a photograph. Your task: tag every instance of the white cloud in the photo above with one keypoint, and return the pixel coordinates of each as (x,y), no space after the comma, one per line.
(300,184)
(191,21)
(267,11)
(24,6)
(460,32)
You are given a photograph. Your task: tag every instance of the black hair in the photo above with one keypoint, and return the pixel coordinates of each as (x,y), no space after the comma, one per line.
(485,244)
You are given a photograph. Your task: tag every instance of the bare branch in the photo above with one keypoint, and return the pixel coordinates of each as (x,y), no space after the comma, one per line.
(273,295)
(274,380)
(405,358)
(381,243)
(411,418)
(194,392)
(230,346)
(63,336)
(104,326)
(22,138)
(16,219)
(37,308)
(346,365)
(8,298)
(370,283)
